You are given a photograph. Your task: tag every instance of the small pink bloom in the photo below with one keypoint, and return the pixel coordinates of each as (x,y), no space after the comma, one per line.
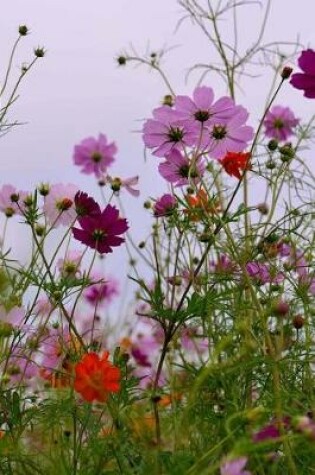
(59,205)
(69,266)
(102,290)
(234,467)
(11,200)
(128,183)
(179,170)
(165,205)
(280,122)
(94,155)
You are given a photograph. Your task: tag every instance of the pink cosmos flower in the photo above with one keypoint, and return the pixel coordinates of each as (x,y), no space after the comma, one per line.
(262,273)
(167,131)
(102,290)
(234,467)
(305,80)
(101,231)
(94,155)
(279,123)
(165,205)
(11,200)
(179,170)
(15,316)
(201,109)
(272,430)
(69,266)
(228,135)
(59,205)
(128,183)
(21,366)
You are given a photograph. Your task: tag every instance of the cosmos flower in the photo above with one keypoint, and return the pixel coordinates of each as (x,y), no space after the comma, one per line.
(305,80)
(179,170)
(279,123)
(59,205)
(11,200)
(167,131)
(101,290)
(231,134)
(69,266)
(96,377)
(85,205)
(235,163)
(165,205)
(94,155)
(201,109)
(128,183)
(101,231)
(262,273)
(234,467)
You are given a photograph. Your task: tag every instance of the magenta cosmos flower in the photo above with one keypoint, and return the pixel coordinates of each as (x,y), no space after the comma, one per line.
(167,131)
(101,231)
(179,170)
(230,135)
(59,205)
(305,80)
(101,290)
(165,205)
(94,155)
(201,109)
(279,123)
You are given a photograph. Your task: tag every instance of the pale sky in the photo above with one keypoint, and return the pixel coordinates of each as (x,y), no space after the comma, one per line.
(77,90)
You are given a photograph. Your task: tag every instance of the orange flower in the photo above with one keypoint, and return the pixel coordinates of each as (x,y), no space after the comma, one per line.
(96,377)
(236,162)
(199,204)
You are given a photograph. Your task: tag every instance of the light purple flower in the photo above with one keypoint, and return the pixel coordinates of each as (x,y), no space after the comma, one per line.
(280,122)
(179,170)
(234,467)
(15,316)
(94,155)
(165,205)
(201,109)
(69,266)
(167,131)
(305,80)
(59,205)
(230,135)
(117,183)
(8,206)
(262,273)
(102,290)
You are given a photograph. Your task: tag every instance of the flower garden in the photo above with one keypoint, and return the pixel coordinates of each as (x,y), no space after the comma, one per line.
(211,371)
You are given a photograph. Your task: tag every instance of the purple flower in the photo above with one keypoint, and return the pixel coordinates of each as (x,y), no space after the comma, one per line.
(168,131)
(262,273)
(179,170)
(165,205)
(101,231)
(58,207)
(94,155)
(117,183)
(234,467)
(305,80)
(272,431)
(228,135)
(201,110)
(279,123)
(69,266)
(101,290)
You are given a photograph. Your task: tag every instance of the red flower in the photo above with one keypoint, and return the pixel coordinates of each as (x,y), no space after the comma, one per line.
(101,229)
(96,377)
(236,162)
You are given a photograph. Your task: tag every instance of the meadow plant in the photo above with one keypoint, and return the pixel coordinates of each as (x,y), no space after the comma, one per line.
(211,371)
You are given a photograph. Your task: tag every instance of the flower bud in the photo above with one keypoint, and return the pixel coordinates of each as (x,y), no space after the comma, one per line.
(272,145)
(147,205)
(39,52)
(121,60)
(44,189)
(271,165)
(286,72)
(263,208)
(23,30)
(281,308)
(286,152)
(298,322)
(168,100)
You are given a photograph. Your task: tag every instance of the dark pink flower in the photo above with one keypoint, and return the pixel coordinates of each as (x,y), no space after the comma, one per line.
(279,123)
(85,205)
(167,131)
(305,80)
(262,273)
(179,170)
(165,205)
(94,155)
(101,231)
(272,430)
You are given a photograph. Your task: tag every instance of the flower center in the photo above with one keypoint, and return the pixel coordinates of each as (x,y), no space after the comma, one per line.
(278,124)
(201,116)
(96,157)
(175,134)
(98,234)
(64,204)
(219,132)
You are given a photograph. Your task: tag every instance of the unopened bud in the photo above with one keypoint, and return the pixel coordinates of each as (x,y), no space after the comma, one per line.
(39,52)
(298,322)
(286,72)
(272,145)
(23,30)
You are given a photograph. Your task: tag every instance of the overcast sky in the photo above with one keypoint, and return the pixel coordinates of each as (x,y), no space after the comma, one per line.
(77,90)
